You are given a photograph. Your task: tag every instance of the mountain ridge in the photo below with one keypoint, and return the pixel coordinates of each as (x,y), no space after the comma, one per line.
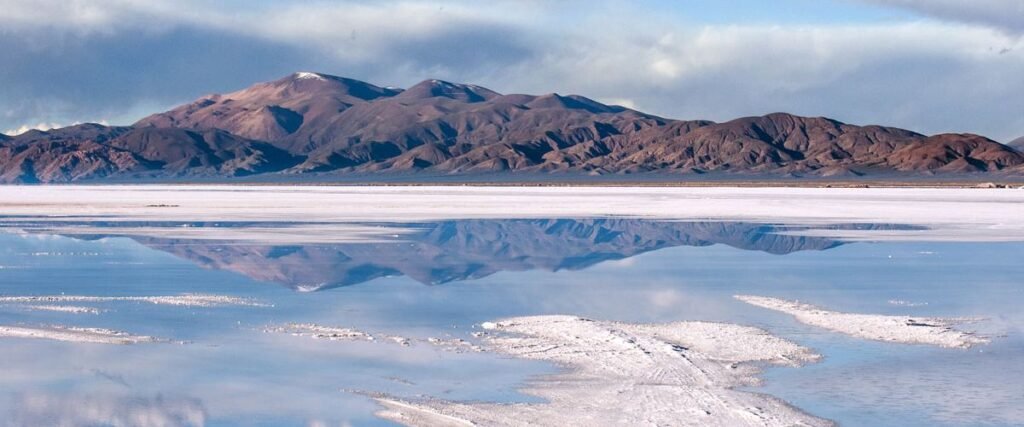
(1018,144)
(318,123)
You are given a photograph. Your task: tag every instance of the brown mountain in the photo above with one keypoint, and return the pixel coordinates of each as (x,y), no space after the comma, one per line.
(435,124)
(309,122)
(273,111)
(92,151)
(790,144)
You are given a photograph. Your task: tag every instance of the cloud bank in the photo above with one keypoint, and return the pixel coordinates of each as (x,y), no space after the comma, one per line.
(954,68)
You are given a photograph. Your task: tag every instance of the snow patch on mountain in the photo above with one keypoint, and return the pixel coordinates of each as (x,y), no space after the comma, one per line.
(305,75)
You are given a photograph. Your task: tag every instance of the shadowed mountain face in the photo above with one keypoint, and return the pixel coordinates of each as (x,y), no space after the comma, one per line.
(95,151)
(449,251)
(309,122)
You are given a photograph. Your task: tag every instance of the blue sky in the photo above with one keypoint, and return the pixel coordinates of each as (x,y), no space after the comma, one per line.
(928,65)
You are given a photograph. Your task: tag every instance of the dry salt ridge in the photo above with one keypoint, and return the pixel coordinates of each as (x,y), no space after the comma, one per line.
(899,329)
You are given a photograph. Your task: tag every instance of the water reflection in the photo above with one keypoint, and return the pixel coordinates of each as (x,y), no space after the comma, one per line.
(39,409)
(448,251)
(231,372)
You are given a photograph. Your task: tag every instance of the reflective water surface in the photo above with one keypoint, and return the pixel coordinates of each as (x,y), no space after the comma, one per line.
(441,279)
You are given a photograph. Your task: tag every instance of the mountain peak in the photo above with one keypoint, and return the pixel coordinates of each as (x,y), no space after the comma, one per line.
(434,88)
(574,102)
(315,84)
(306,75)
(275,109)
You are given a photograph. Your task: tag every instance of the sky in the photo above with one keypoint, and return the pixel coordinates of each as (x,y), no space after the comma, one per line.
(932,66)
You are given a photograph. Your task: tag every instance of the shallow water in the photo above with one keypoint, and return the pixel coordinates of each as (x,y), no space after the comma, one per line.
(448,276)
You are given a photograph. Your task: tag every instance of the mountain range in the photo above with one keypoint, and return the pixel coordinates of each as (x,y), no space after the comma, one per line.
(323,126)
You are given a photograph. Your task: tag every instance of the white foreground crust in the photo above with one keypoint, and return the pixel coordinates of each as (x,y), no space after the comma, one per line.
(900,329)
(74,334)
(627,374)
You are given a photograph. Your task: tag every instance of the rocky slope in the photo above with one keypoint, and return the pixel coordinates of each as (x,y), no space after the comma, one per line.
(309,122)
(93,151)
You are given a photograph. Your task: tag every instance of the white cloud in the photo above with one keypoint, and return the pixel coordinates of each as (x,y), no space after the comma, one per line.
(930,76)
(25,128)
(622,102)
(45,126)
(92,16)
(784,58)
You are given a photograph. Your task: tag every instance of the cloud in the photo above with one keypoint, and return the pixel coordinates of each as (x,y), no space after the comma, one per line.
(122,59)
(622,102)
(1003,14)
(25,128)
(928,76)
(116,58)
(45,126)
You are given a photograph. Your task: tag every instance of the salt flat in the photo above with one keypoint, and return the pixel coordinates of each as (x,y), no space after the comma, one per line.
(950,214)
(667,372)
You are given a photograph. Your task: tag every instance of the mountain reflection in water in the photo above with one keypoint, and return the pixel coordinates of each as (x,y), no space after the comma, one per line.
(447,251)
